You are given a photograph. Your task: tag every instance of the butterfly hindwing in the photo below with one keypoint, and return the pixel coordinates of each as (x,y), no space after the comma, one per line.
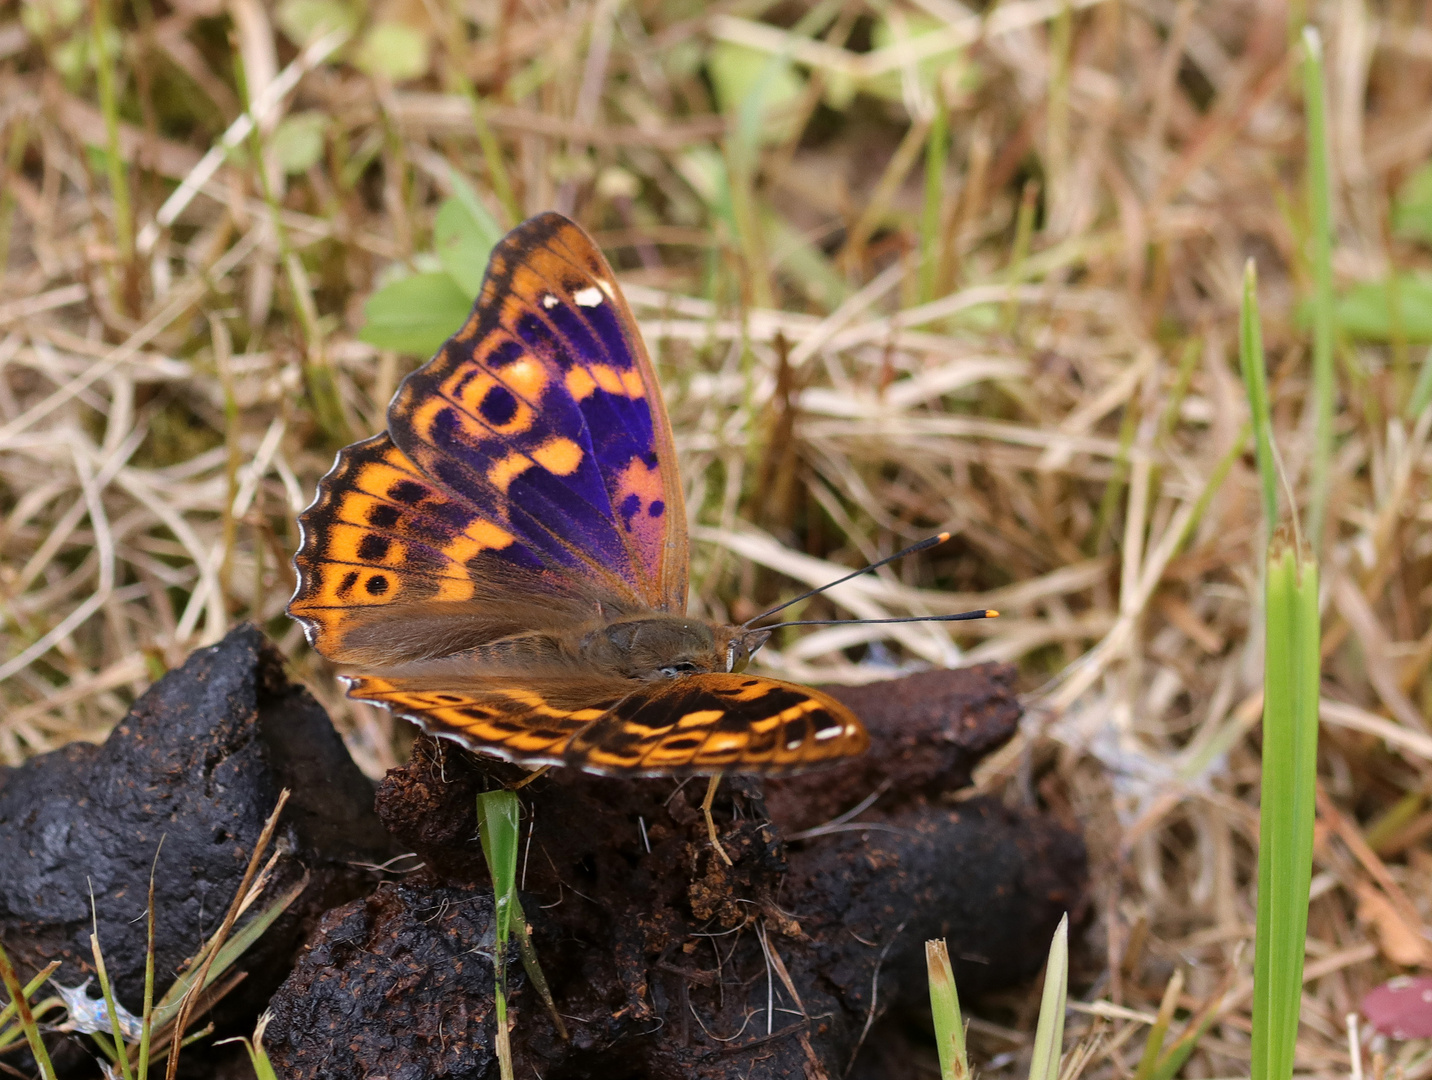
(696,725)
(544,410)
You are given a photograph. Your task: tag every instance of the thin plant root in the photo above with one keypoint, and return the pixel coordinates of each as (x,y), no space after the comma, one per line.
(710,823)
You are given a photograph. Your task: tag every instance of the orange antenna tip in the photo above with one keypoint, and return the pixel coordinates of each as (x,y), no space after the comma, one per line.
(942,538)
(991,613)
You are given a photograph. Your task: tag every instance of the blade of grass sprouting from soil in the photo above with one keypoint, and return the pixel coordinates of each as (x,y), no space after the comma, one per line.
(497,814)
(146,1020)
(1255,382)
(1320,212)
(1049,1035)
(258,1057)
(937,151)
(100,31)
(1061,40)
(31,989)
(121,1054)
(945,1011)
(21,1001)
(1158,1031)
(1285,826)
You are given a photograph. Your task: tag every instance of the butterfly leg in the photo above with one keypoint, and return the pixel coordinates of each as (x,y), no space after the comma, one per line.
(710,823)
(529,778)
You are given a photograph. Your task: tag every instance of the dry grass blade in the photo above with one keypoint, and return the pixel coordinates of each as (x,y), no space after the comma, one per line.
(198,984)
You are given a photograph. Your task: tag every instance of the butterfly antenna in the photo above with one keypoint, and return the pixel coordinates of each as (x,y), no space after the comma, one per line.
(928,542)
(964,616)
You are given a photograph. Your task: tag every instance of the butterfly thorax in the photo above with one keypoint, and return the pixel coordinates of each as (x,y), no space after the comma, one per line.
(662,646)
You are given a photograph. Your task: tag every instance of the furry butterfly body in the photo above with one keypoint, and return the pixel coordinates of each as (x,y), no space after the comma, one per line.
(507,564)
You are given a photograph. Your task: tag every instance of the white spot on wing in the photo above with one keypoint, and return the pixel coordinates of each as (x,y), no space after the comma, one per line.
(549,301)
(591,296)
(794,745)
(826,733)
(606,287)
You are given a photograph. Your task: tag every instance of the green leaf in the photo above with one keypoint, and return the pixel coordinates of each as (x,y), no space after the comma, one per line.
(1412,208)
(297,142)
(948,66)
(415,314)
(1365,311)
(753,84)
(306,20)
(394,50)
(464,234)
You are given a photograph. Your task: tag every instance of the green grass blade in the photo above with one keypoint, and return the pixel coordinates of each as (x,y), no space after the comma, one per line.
(1285,828)
(1158,1031)
(497,814)
(120,1053)
(530,965)
(937,151)
(101,32)
(1255,381)
(945,1010)
(31,989)
(1320,214)
(21,1002)
(1049,1035)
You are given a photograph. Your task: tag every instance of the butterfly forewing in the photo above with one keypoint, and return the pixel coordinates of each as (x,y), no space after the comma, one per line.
(545,405)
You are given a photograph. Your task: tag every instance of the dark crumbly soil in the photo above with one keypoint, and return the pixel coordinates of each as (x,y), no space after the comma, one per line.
(199,762)
(664,960)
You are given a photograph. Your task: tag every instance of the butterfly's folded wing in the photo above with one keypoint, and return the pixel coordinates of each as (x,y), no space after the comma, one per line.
(545,409)
(532,455)
(700,724)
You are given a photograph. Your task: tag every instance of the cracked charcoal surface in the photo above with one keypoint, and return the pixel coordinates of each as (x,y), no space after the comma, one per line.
(654,949)
(199,761)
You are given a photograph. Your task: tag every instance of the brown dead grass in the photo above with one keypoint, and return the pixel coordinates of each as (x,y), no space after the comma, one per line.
(1064,410)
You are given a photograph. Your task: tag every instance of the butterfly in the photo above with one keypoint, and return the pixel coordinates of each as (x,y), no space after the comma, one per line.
(506,565)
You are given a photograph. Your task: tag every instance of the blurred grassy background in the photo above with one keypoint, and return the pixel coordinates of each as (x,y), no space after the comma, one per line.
(904,266)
